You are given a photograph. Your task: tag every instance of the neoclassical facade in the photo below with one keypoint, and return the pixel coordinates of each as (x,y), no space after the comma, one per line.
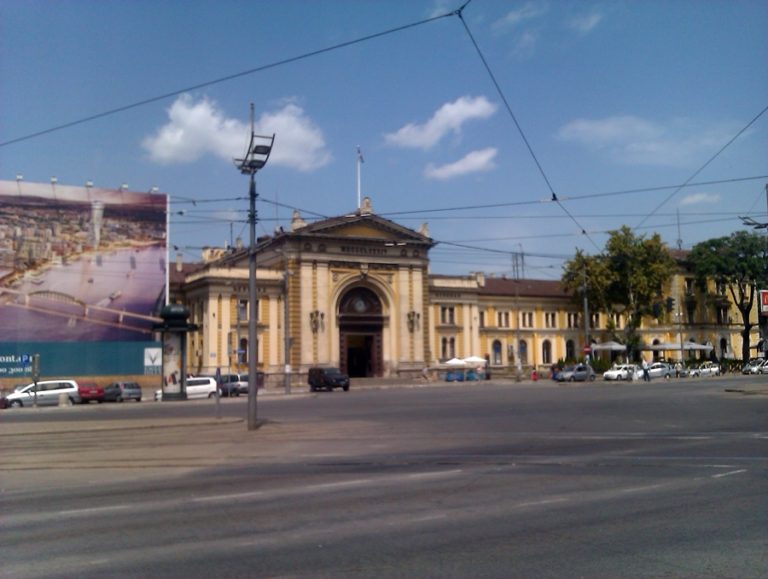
(355,292)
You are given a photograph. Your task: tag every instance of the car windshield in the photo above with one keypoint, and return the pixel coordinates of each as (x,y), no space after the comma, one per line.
(333,372)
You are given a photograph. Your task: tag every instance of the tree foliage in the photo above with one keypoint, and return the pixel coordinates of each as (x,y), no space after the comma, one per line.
(740,261)
(628,277)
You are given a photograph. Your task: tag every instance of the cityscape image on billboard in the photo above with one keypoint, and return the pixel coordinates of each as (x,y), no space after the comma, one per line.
(80,264)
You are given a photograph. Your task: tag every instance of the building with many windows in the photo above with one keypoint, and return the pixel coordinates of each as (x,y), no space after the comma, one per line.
(355,292)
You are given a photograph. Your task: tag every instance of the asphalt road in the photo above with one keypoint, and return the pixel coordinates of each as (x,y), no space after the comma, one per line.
(479,480)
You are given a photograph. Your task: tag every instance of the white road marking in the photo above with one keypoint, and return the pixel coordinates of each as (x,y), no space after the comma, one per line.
(91,511)
(722,474)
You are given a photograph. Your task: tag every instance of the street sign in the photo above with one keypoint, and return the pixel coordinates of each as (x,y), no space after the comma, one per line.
(763,294)
(587,349)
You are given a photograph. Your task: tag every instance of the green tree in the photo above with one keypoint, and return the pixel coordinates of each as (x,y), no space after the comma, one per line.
(740,261)
(627,277)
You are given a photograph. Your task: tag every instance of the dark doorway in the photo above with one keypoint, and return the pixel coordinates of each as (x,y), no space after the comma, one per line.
(360,334)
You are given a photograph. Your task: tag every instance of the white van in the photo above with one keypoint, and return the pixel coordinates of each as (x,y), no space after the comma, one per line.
(200,387)
(48,393)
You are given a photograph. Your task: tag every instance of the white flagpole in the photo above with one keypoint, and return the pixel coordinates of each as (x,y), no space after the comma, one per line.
(359,162)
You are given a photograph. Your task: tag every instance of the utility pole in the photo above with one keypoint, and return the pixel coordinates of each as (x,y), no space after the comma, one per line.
(586,315)
(517,260)
(255,158)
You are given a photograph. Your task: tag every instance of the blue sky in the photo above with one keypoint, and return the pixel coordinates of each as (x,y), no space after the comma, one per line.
(611,97)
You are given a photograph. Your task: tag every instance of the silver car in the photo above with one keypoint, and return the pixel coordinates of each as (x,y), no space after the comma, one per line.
(661,370)
(45,393)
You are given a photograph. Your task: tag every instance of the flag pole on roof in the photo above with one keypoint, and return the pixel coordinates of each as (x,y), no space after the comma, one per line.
(360,161)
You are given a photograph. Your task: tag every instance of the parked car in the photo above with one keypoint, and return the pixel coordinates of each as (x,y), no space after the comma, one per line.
(49,393)
(661,370)
(328,378)
(119,391)
(229,384)
(577,373)
(243,382)
(623,372)
(754,366)
(197,387)
(90,391)
(706,369)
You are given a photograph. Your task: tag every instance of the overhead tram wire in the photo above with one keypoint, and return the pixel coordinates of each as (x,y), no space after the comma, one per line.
(227,78)
(704,166)
(519,127)
(572,197)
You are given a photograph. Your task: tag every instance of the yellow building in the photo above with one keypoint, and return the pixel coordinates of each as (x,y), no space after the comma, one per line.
(355,292)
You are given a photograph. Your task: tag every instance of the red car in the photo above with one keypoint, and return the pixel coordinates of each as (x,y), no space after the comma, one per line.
(90,391)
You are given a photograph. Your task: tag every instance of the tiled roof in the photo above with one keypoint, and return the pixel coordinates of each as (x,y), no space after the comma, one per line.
(544,288)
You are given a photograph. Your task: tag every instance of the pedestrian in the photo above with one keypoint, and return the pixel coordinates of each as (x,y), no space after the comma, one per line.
(678,368)
(646,375)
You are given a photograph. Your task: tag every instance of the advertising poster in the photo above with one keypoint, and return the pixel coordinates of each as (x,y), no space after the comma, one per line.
(78,265)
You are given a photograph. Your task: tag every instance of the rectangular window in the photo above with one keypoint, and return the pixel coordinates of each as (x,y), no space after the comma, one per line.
(242,310)
(550,319)
(503,318)
(573,320)
(447,315)
(482,319)
(526,319)
(594,321)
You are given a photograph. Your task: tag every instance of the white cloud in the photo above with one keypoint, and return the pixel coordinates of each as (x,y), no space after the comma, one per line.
(474,162)
(528,11)
(586,23)
(525,44)
(195,129)
(448,118)
(700,198)
(636,141)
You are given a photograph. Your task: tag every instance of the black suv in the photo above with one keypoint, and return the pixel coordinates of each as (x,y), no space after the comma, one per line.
(329,378)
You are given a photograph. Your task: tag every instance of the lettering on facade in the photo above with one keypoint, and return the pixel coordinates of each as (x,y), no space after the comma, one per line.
(363,250)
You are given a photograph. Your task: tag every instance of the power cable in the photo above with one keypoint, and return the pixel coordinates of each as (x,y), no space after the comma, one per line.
(227,78)
(704,166)
(520,128)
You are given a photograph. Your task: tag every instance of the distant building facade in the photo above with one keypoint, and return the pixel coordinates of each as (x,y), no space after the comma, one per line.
(355,292)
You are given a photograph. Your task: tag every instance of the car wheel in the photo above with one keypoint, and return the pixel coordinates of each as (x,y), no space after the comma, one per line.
(16,403)
(346,388)
(667,376)
(212,395)
(119,399)
(571,379)
(312,388)
(71,402)
(592,378)
(138,400)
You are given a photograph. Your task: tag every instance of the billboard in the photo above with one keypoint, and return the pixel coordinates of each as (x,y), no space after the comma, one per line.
(763,295)
(79,266)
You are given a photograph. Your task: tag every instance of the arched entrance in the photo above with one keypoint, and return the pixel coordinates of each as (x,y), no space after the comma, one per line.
(361,323)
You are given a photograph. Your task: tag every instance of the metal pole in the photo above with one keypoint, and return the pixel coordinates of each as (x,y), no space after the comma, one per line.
(286,335)
(586,315)
(253,306)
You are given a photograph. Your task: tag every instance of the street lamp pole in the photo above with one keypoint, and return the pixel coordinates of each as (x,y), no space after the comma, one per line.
(255,158)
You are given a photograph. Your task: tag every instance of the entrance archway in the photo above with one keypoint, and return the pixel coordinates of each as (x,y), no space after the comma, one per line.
(361,324)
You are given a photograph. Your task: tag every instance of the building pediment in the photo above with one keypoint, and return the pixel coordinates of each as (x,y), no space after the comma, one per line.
(362,226)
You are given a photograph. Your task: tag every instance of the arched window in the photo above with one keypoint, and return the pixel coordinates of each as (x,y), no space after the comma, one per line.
(523,352)
(723,347)
(497,353)
(570,350)
(656,352)
(546,352)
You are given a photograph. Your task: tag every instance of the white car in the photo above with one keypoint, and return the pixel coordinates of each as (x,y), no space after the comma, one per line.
(199,387)
(706,369)
(622,372)
(754,366)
